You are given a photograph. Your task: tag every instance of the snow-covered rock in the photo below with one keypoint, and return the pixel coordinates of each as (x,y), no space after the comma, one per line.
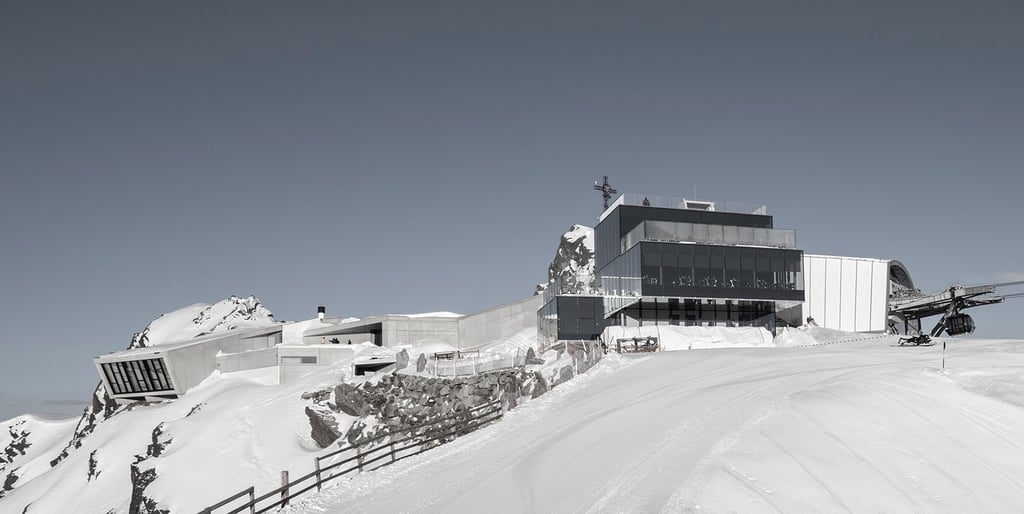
(573,264)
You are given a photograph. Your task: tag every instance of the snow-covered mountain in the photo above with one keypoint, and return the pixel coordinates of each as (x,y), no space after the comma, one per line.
(814,420)
(573,265)
(32,447)
(232,431)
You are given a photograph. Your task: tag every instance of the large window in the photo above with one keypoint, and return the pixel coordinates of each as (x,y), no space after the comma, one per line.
(713,271)
(704,312)
(138,376)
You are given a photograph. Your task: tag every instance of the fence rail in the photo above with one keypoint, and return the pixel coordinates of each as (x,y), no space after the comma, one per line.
(366,453)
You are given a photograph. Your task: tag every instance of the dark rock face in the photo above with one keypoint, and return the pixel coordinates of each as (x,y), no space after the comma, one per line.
(351,400)
(12,477)
(324,428)
(141,478)
(140,503)
(93,465)
(103,407)
(19,443)
(158,445)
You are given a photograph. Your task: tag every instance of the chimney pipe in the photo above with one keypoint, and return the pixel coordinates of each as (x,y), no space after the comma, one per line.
(321,311)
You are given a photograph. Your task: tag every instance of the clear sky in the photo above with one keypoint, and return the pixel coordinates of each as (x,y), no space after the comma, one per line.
(381,157)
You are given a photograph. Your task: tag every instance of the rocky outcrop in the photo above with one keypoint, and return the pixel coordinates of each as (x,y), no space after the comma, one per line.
(19,443)
(573,265)
(9,481)
(140,503)
(160,442)
(142,477)
(93,467)
(103,407)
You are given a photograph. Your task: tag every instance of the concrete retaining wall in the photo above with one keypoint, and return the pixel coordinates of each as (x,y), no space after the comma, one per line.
(289,358)
(409,330)
(499,323)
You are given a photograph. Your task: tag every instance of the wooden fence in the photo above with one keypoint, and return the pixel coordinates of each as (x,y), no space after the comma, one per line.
(365,456)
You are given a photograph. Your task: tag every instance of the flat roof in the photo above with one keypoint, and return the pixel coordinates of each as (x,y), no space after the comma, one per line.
(175,345)
(351,327)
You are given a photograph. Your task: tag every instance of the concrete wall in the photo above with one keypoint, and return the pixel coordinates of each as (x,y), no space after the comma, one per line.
(326,355)
(846,293)
(499,323)
(190,365)
(247,360)
(264,341)
(401,330)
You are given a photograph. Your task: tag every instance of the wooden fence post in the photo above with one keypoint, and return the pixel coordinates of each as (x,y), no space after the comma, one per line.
(252,500)
(318,481)
(284,484)
(359,457)
(392,445)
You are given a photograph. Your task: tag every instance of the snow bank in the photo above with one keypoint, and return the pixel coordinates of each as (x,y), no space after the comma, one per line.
(788,337)
(673,337)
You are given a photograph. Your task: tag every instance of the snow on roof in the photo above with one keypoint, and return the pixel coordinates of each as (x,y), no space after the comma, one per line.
(438,314)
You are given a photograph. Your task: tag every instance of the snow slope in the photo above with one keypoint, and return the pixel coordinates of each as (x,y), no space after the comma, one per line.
(849,426)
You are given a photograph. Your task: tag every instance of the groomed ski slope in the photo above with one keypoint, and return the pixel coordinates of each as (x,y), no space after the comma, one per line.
(845,427)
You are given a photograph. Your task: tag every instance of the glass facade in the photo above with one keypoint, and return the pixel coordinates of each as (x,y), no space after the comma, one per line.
(625,218)
(702,312)
(709,234)
(706,271)
(138,376)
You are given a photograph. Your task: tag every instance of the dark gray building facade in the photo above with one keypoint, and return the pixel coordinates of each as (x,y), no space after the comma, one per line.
(677,262)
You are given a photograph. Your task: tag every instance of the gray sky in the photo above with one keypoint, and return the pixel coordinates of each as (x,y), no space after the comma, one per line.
(403,157)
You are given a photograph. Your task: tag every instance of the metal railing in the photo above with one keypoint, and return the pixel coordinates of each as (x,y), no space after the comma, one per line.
(678,202)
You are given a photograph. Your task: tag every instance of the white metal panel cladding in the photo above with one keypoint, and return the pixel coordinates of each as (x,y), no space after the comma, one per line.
(864,300)
(833,288)
(847,293)
(815,276)
(880,294)
(848,312)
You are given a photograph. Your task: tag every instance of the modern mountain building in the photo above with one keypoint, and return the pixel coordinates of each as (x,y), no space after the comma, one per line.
(674,261)
(294,350)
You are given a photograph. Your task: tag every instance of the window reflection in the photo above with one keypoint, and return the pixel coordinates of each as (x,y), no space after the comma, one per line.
(669,269)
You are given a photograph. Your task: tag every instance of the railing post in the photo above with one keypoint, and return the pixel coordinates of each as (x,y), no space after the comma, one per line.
(318,481)
(392,445)
(284,484)
(252,500)
(359,457)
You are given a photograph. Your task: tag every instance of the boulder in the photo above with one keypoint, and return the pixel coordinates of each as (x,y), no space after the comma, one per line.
(323,426)
(350,400)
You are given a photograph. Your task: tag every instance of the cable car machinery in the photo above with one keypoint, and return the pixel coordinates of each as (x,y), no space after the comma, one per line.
(950,304)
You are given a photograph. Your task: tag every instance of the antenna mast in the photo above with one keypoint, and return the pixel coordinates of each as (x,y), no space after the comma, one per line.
(606,191)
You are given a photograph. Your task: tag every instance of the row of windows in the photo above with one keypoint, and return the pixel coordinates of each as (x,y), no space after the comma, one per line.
(724,313)
(677,269)
(138,376)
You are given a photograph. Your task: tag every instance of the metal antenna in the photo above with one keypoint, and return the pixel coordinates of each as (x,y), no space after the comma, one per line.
(606,191)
